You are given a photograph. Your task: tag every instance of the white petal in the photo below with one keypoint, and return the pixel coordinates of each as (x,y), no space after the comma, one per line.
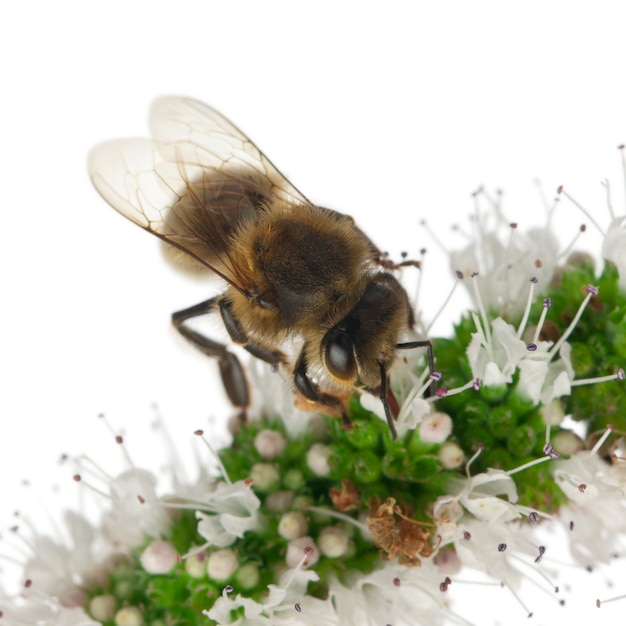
(532,377)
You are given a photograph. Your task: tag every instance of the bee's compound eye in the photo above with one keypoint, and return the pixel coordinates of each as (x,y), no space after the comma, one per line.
(339,355)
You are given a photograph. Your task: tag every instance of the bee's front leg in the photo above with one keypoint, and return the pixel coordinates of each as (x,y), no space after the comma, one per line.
(232,373)
(311,392)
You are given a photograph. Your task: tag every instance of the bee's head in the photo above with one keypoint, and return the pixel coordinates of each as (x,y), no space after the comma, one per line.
(362,347)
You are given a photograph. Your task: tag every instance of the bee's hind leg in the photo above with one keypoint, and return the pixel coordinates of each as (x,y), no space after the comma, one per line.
(232,373)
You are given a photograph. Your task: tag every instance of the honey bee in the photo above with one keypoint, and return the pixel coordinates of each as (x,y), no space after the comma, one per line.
(295,272)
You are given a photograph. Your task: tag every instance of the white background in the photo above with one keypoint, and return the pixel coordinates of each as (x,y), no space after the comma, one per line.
(391,113)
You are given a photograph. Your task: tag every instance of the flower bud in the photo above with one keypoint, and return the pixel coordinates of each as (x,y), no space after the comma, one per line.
(293,525)
(317,459)
(333,541)
(269,443)
(221,564)
(159,557)
(300,548)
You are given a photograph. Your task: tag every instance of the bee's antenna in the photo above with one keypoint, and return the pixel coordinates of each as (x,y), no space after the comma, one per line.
(383,398)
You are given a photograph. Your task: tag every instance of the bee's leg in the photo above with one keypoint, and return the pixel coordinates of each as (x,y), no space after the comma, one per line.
(382,259)
(312,393)
(239,336)
(232,373)
(430,355)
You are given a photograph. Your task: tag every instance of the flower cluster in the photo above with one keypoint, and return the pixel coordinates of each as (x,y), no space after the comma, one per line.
(328,525)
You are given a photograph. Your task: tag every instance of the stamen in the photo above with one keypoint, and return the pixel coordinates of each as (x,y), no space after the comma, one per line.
(118,439)
(418,286)
(78,478)
(337,515)
(176,464)
(554,588)
(619,375)
(472,459)
(418,389)
(609,429)
(223,472)
(548,207)
(623,155)
(508,255)
(549,450)
(529,613)
(459,275)
(483,315)
(607,185)
(424,382)
(581,208)
(529,301)
(547,304)
(521,468)
(566,251)
(542,551)
(472,384)
(548,447)
(591,291)
(433,236)
(478,226)
(195,550)
(599,602)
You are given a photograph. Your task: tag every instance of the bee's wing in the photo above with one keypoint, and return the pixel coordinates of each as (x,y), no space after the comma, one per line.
(192,184)
(208,138)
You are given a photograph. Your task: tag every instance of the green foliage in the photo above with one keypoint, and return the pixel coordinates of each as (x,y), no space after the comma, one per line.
(500,420)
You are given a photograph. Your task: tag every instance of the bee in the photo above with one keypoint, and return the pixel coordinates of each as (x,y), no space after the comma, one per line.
(295,272)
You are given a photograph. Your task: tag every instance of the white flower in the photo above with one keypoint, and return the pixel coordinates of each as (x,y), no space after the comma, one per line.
(480,497)
(505,259)
(494,359)
(542,379)
(136,510)
(286,604)
(58,567)
(478,501)
(233,511)
(596,512)
(391,594)
(412,415)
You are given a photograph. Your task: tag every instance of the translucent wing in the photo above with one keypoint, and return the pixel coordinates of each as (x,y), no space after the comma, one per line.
(193,183)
